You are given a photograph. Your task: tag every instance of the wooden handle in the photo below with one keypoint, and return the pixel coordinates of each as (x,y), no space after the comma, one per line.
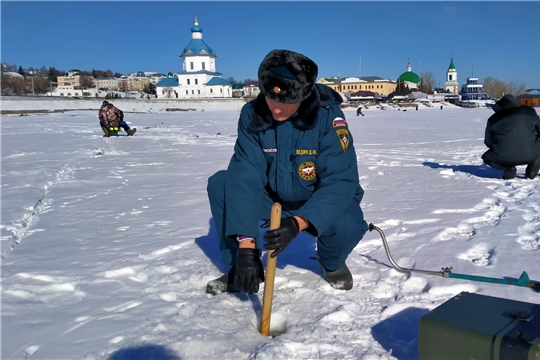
(275,221)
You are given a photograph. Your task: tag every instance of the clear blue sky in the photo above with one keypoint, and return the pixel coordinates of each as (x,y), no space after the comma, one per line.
(497,39)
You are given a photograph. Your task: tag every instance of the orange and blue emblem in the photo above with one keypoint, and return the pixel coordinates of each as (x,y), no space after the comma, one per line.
(339,121)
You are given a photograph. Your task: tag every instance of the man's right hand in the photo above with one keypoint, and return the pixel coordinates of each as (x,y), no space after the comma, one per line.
(249,270)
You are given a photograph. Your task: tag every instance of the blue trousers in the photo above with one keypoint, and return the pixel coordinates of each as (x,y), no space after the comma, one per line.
(333,246)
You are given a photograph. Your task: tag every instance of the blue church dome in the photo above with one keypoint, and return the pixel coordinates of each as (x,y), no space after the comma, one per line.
(197,46)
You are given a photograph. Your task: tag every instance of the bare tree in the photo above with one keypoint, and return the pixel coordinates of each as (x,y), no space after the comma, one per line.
(168,91)
(247,81)
(86,81)
(37,85)
(497,89)
(13,85)
(489,85)
(516,88)
(427,82)
(123,85)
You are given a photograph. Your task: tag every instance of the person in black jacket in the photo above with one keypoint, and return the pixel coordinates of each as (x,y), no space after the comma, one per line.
(513,138)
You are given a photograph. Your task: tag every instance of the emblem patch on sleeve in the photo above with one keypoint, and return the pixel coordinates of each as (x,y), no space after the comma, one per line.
(343,138)
(307,170)
(339,121)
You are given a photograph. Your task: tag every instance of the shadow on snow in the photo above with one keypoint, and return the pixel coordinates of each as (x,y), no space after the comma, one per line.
(482,171)
(144,352)
(300,253)
(399,333)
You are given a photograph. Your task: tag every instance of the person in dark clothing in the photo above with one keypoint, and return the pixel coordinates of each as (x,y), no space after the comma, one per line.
(293,147)
(513,138)
(359,111)
(112,117)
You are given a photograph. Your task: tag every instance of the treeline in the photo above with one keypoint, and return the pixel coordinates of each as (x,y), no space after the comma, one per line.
(233,81)
(497,89)
(41,80)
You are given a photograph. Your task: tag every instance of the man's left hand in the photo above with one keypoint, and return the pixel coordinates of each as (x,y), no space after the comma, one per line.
(278,239)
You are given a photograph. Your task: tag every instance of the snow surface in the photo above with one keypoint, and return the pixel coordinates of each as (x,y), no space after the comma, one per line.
(108,243)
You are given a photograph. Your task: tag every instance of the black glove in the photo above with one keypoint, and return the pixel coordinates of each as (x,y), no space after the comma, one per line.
(249,270)
(278,239)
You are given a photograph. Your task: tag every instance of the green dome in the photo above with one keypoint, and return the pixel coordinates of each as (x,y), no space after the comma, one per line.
(409,76)
(451,67)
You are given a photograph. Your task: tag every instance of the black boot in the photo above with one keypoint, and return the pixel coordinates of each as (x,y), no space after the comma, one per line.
(532,169)
(340,279)
(105,131)
(130,132)
(222,284)
(509,172)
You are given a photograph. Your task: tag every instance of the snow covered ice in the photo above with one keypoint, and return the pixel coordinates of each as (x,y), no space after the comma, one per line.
(108,243)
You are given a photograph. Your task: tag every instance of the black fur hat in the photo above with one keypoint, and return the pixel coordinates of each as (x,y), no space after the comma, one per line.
(287,77)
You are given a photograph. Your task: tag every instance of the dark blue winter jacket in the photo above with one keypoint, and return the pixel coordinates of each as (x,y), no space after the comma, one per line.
(307,163)
(513,132)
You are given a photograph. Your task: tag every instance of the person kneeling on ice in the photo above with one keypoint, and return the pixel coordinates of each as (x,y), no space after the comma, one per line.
(513,138)
(112,117)
(293,147)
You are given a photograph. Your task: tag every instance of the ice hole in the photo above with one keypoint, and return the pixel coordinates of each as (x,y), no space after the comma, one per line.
(278,325)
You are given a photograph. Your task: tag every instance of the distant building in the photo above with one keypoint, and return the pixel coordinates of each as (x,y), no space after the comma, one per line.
(73,78)
(473,90)
(451,84)
(70,86)
(198,78)
(74,91)
(409,78)
(530,97)
(12,74)
(106,83)
(353,84)
(237,90)
(251,89)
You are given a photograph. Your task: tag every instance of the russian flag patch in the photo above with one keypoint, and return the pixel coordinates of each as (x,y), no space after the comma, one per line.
(339,121)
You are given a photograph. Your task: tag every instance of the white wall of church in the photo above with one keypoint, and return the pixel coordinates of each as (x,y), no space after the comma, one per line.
(451,84)
(198,63)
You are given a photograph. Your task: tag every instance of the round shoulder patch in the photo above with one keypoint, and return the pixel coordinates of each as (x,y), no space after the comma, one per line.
(307,170)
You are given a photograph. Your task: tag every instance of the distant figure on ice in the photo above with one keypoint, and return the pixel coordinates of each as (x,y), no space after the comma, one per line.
(513,138)
(359,111)
(293,147)
(110,117)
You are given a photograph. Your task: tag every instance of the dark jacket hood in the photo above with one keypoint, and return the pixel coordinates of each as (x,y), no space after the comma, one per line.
(507,102)
(307,115)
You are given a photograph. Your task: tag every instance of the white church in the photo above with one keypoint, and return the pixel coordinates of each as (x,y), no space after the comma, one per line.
(451,84)
(198,78)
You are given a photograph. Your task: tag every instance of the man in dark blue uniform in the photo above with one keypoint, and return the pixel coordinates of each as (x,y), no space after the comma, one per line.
(513,138)
(294,147)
